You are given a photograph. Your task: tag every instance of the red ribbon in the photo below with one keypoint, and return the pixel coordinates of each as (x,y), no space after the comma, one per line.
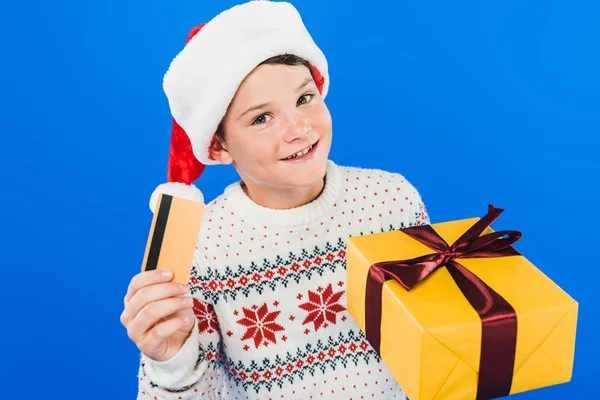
(499,319)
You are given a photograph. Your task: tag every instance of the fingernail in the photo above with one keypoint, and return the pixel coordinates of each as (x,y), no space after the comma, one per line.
(166,273)
(184,288)
(188,300)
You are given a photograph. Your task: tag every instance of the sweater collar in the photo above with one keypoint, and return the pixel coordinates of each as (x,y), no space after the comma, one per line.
(301,215)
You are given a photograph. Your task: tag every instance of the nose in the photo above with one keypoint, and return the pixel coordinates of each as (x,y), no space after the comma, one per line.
(296,127)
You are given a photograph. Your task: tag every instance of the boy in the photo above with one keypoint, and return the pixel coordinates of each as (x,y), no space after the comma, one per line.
(265,316)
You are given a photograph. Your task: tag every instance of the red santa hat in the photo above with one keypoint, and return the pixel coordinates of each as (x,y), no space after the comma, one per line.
(204,77)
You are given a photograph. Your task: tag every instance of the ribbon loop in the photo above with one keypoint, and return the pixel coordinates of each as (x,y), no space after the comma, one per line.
(494,244)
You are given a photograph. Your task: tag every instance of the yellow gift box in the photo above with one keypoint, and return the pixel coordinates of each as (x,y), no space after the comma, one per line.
(430,336)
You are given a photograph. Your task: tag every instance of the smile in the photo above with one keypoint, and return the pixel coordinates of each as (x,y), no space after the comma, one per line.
(302,152)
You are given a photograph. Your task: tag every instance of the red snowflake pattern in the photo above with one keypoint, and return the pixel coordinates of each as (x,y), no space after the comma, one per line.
(322,307)
(207,319)
(260,324)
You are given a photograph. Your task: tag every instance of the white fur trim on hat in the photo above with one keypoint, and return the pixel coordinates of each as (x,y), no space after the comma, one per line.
(204,77)
(176,189)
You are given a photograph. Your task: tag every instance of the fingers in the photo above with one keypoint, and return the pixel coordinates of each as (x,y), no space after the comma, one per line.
(167,328)
(152,313)
(149,294)
(147,278)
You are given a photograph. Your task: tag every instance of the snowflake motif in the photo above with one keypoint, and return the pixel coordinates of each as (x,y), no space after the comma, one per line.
(205,314)
(260,324)
(322,307)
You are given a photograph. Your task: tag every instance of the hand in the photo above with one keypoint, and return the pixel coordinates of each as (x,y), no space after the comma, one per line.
(158,316)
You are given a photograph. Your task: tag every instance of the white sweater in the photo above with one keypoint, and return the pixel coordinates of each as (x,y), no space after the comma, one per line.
(270,297)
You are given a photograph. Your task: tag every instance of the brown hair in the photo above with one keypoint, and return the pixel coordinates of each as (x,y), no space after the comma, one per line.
(284,59)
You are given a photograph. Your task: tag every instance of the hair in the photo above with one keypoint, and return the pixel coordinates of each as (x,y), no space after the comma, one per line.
(284,59)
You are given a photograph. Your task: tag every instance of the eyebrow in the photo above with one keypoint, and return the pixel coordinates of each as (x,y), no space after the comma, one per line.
(306,82)
(265,105)
(254,108)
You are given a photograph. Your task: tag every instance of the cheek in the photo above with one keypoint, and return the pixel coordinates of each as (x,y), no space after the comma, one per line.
(257,149)
(322,120)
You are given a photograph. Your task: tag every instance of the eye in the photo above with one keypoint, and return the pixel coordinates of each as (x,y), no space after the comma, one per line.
(261,119)
(305,99)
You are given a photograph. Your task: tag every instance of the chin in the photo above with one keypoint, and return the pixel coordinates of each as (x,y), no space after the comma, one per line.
(311,176)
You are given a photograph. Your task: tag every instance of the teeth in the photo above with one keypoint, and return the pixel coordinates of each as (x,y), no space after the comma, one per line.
(300,153)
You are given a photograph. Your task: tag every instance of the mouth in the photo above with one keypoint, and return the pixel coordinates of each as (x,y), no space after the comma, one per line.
(302,153)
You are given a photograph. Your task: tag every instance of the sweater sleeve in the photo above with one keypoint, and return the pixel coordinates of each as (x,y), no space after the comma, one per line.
(419,214)
(418,210)
(192,373)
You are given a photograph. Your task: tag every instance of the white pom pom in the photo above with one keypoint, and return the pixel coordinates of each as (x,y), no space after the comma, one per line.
(176,189)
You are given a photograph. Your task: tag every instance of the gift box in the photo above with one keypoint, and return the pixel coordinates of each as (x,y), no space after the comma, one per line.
(456,312)
(173,236)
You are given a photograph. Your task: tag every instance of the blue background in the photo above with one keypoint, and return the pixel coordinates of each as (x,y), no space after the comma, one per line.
(475,102)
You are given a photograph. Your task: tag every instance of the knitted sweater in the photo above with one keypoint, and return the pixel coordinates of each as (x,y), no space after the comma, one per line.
(270,297)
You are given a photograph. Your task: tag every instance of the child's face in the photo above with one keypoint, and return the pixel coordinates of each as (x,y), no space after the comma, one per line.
(277,112)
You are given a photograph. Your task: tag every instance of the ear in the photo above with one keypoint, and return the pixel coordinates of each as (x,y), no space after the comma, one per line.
(220,153)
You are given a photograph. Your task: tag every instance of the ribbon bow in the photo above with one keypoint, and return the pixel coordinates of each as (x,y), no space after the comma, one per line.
(499,320)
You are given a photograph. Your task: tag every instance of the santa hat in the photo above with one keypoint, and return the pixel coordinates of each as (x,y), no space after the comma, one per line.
(204,77)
